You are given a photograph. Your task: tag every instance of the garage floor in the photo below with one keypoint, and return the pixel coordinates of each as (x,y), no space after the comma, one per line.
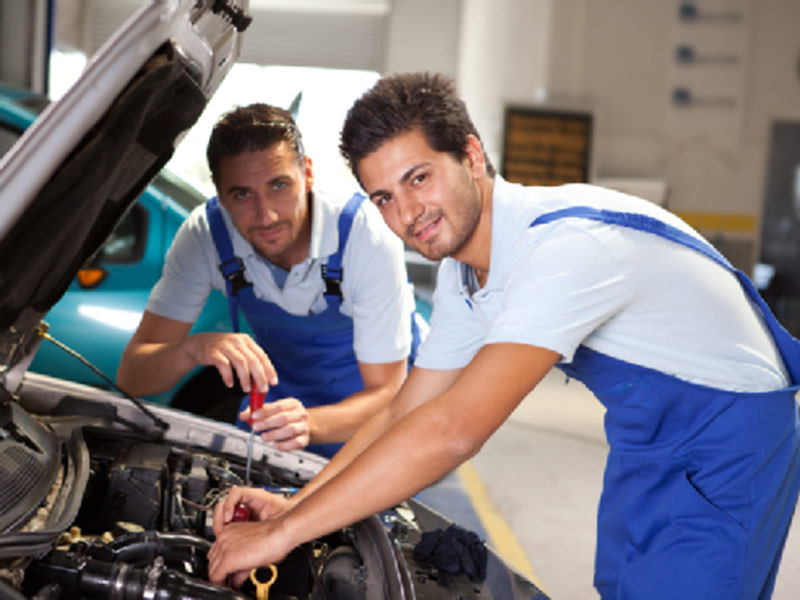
(533,489)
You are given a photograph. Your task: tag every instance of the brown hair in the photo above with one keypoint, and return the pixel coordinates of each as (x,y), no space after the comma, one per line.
(251,129)
(400,103)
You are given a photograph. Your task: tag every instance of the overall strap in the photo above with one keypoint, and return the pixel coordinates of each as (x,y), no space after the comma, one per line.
(637,221)
(787,346)
(332,269)
(231,266)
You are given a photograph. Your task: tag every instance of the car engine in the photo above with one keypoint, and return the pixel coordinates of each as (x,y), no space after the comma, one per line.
(144,526)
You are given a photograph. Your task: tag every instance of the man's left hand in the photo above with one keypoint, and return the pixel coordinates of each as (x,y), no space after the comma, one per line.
(285,422)
(241,547)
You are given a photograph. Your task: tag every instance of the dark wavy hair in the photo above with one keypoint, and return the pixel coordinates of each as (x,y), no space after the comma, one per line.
(400,103)
(251,129)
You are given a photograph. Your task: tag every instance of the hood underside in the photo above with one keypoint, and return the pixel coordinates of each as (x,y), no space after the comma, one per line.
(79,206)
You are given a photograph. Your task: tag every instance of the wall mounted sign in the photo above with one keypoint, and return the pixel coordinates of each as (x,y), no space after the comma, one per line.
(544,146)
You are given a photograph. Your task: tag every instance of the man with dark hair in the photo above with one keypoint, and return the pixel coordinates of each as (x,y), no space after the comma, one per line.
(697,377)
(320,279)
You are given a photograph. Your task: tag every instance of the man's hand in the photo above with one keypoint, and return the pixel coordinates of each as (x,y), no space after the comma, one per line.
(263,505)
(234,355)
(242,547)
(285,422)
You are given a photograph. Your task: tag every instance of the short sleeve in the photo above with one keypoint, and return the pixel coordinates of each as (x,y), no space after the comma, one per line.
(186,279)
(375,284)
(560,288)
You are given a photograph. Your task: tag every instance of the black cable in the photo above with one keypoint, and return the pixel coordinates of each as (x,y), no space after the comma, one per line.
(160,423)
(312,564)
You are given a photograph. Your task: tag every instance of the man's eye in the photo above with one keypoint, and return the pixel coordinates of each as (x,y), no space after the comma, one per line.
(382,201)
(279,185)
(420,177)
(241,195)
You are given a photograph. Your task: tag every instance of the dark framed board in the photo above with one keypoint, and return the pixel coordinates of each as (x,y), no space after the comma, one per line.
(543,146)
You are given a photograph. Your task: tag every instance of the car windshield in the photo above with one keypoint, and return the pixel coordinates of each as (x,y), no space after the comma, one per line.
(180,191)
(8,135)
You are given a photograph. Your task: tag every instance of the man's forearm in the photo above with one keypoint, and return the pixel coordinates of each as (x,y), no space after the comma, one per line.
(338,422)
(416,451)
(428,440)
(153,368)
(363,437)
(420,386)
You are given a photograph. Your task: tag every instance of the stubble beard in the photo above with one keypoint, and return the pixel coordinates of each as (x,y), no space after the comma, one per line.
(271,251)
(460,224)
(445,245)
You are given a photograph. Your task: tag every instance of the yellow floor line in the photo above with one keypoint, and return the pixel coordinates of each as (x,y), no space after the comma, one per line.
(500,535)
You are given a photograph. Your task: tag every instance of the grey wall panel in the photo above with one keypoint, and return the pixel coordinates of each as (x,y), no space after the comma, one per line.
(24,44)
(346,39)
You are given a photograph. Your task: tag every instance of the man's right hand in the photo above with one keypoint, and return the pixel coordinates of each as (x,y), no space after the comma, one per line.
(285,422)
(263,505)
(234,355)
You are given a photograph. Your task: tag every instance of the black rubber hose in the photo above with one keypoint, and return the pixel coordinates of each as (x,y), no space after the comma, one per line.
(80,577)
(143,547)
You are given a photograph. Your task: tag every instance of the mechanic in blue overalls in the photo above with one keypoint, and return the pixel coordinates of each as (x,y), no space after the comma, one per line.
(698,378)
(320,279)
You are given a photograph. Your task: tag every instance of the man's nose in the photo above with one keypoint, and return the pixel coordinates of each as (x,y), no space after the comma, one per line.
(410,209)
(265,212)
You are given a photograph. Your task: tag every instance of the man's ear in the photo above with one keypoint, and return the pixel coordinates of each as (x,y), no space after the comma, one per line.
(309,172)
(473,150)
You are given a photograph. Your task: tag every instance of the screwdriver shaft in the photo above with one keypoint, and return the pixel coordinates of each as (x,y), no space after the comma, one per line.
(249,458)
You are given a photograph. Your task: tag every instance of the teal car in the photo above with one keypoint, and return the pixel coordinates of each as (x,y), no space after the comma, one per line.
(109,294)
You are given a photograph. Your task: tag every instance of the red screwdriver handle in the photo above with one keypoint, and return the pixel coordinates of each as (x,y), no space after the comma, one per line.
(241,512)
(256,400)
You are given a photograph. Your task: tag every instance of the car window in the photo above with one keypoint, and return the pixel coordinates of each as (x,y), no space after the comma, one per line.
(178,189)
(7,138)
(126,243)
(35,104)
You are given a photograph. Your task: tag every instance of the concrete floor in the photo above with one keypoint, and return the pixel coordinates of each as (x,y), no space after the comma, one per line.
(543,471)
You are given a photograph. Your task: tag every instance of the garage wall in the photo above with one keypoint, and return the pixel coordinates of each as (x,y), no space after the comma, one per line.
(711,149)
(503,54)
(24,43)
(321,33)
(423,35)
(701,127)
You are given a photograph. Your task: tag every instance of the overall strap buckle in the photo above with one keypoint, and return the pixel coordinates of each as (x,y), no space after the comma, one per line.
(333,281)
(233,271)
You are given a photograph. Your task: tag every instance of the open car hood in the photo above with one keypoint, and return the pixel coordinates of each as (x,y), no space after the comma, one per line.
(71,177)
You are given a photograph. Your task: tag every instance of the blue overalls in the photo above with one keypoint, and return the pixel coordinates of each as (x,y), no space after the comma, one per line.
(312,354)
(700,483)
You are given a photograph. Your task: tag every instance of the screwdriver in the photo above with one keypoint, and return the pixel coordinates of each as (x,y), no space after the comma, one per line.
(256,402)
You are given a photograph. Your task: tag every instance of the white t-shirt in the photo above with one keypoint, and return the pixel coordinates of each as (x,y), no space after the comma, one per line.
(375,288)
(625,293)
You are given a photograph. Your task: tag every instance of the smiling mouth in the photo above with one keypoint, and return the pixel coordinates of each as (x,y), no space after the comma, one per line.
(427,230)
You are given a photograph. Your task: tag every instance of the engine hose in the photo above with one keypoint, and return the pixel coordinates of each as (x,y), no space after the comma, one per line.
(79,577)
(143,547)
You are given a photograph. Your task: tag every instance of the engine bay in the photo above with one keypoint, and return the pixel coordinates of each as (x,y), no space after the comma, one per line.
(102,497)
(145,525)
